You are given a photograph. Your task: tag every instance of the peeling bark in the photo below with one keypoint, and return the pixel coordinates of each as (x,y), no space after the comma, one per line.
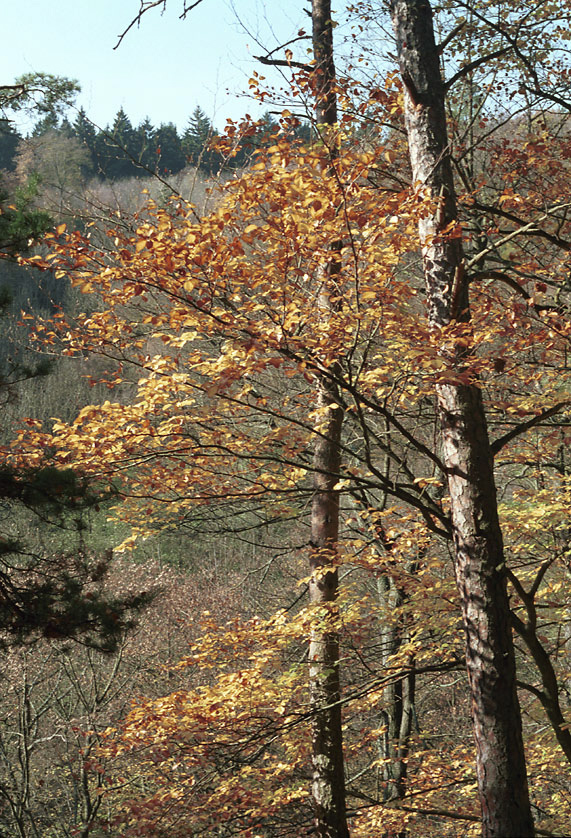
(479,554)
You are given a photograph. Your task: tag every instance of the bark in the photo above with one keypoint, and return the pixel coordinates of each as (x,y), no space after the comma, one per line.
(398,700)
(398,713)
(478,545)
(328,783)
(549,695)
(527,630)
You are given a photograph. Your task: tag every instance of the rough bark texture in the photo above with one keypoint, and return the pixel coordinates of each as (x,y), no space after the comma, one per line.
(466,450)
(328,785)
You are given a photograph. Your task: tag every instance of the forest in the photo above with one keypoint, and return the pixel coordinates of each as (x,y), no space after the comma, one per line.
(285,477)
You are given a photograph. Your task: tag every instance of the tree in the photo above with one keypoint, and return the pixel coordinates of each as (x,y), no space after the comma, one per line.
(328,786)
(84,130)
(20,220)
(59,699)
(9,139)
(44,591)
(169,151)
(47,96)
(41,93)
(57,162)
(234,322)
(467,456)
(196,138)
(147,145)
(119,151)
(53,593)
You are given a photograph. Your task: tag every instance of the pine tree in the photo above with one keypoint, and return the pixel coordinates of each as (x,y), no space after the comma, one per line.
(46,591)
(146,144)
(84,130)
(169,152)
(195,141)
(9,139)
(120,148)
(20,220)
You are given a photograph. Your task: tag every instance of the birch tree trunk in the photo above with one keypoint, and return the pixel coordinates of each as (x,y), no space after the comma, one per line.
(479,554)
(328,785)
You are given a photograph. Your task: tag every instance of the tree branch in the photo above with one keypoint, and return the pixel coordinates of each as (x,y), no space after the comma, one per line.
(146,6)
(531,228)
(278,62)
(451,35)
(467,68)
(526,426)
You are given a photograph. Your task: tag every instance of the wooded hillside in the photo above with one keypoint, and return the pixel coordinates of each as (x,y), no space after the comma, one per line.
(315,415)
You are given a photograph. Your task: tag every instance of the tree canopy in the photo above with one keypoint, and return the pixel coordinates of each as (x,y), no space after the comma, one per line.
(359,350)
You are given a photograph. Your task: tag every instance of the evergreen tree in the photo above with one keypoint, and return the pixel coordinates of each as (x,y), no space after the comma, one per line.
(57,594)
(120,148)
(49,122)
(9,139)
(65,127)
(20,220)
(146,144)
(47,588)
(84,130)
(196,139)
(169,152)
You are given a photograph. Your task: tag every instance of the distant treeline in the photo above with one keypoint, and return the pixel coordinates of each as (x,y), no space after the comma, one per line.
(121,150)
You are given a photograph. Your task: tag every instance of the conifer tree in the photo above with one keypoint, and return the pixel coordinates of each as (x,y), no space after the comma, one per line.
(120,149)
(169,151)
(58,593)
(196,138)
(146,144)
(84,130)
(9,139)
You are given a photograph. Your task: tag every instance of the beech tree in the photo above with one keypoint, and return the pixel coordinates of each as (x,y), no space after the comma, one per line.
(306,273)
(466,451)
(327,753)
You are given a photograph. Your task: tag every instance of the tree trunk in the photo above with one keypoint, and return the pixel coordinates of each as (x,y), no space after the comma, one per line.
(328,786)
(398,699)
(397,717)
(479,554)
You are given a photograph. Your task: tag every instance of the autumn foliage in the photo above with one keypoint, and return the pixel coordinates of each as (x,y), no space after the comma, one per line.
(216,336)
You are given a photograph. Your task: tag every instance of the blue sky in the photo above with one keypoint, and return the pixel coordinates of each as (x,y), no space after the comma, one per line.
(163,68)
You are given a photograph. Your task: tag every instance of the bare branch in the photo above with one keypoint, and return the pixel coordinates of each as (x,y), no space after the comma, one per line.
(467,68)
(451,35)
(188,9)
(531,228)
(551,97)
(526,426)
(277,62)
(146,6)
(303,37)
